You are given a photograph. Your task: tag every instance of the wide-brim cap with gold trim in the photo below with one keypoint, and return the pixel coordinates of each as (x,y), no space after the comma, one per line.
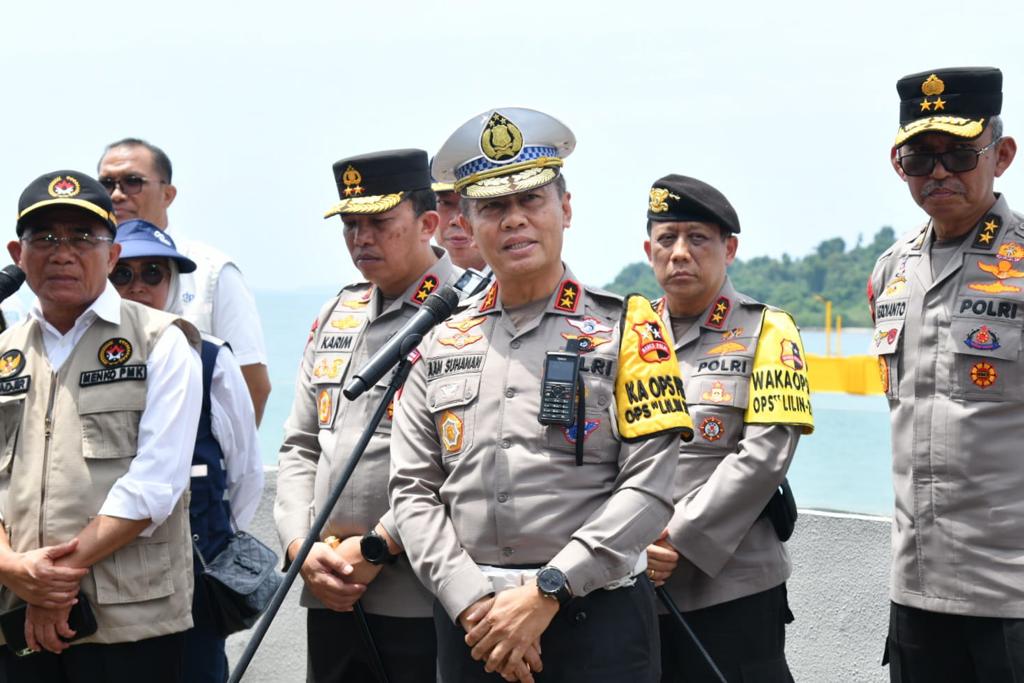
(377,182)
(503,151)
(65,188)
(679,198)
(956,101)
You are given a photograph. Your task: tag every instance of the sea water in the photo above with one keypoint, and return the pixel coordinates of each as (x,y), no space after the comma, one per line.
(844,465)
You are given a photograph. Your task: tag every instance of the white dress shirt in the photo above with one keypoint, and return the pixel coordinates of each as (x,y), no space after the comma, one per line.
(159,473)
(234,427)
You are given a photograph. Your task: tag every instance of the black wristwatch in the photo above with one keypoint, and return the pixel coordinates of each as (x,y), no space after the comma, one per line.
(375,549)
(552,584)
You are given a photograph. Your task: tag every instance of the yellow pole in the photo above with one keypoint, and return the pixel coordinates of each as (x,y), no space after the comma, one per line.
(828,327)
(839,335)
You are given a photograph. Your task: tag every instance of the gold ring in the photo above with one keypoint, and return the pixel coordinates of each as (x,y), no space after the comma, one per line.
(650,574)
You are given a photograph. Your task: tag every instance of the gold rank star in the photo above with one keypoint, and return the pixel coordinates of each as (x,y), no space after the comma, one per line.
(985,237)
(716,317)
(939,103)
(926,105)
(428,286)
(720,307)
(568,297)
(991,226)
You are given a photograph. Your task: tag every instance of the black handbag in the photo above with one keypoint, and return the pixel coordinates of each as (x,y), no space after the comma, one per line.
(240,582)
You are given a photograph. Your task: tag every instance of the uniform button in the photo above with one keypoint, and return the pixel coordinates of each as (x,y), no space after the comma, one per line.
(580,617)
(588,586)
(507,551)
(502,497)
(505,443)
(195,537)
(515,344)
(509,393)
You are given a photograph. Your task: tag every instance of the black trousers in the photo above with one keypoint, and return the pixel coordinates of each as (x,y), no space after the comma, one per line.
(603,637)
(154,660)
(745,637)
(953,648)
(338,652)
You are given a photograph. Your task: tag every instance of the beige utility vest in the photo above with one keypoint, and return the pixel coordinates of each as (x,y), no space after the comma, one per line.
(67,437)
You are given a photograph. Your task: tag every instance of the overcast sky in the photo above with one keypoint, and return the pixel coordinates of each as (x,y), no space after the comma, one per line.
(788,108)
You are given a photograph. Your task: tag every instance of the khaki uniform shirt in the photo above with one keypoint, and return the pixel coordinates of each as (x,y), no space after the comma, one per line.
(67,437)
(477,480)
(730,470)
(324,427)
(949,352)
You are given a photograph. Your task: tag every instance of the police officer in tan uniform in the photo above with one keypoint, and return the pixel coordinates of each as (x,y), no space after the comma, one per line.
(529,534)
(746,385)
(99,403)
(450,233)
(388,217)
(948,304)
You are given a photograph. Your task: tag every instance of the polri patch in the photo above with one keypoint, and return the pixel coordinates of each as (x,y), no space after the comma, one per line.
(114,352)
(451,432)
(652,347)
(711,428)
(324,407)
(982,339)
(984,374)
(590,425)
(120,373)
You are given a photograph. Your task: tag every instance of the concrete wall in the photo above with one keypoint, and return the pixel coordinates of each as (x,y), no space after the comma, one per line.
(838,593)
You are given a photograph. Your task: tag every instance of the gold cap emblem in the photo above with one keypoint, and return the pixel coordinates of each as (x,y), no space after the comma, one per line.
(501,140)
(658,197)
(351,177)
(64,186)
(933,85)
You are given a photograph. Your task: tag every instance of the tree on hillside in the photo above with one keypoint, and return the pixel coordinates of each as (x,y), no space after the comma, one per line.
(830,271)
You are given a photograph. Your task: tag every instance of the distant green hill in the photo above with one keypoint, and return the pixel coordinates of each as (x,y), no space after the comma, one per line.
(831,272)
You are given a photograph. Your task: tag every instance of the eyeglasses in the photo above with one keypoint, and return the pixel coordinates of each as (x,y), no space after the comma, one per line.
(151,274)
(129,184)
(959,160)
(79,241)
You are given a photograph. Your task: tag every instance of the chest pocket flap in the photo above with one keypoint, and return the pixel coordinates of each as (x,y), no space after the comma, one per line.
(110,419)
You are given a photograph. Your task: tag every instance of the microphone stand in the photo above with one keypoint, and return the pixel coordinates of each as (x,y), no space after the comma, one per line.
(398,377)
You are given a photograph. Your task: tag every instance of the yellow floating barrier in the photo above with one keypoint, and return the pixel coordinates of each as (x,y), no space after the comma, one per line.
(845,374)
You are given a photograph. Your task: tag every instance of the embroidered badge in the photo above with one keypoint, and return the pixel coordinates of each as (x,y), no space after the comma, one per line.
(933,85)
(501,140)
(982,339)
(11,364)
(1008,254)
(323,407)
(64,186)
(451,432)
(717,393)
(984,374)
(727,347)
(347,323)
(569,433)
(790,355)
(888,336)
(711,428)
(490,299)
(733,333)
(987,231)
(460,340)
(427,285)
(652,347)
(120,373)
(898,280)
(883,373)
(716,318)
(114,352)
(464,325)
(312,330)
(589,326)
(586,342)
(362,302)
(352,179)
(568,297)
(330,369)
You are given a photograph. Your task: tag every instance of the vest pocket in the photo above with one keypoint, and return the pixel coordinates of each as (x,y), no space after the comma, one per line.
(111,434)
(10,425)
(135,573)
(986,366)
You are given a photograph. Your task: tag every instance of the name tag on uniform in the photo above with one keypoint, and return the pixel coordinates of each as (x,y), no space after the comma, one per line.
(121,373)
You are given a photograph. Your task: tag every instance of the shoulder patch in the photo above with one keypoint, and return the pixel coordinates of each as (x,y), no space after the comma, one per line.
(779,390)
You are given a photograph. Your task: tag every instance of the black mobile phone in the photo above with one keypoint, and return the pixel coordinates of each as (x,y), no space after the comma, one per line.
(81,620)
(558,388)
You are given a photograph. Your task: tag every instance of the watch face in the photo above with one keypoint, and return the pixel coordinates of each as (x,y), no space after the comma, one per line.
(374,548)
(550,580)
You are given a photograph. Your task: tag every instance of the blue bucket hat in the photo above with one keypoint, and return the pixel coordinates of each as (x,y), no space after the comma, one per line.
(142,239)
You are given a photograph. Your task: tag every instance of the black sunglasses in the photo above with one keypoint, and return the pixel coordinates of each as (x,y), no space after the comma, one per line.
(129,184)
(151,274)
(959,160)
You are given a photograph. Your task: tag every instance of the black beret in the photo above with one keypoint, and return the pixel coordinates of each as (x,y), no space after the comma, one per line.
(679,198)
(955,101)
(375,183)
(67,188)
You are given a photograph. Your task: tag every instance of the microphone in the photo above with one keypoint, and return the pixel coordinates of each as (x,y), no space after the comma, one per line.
(11,278)
(436,308)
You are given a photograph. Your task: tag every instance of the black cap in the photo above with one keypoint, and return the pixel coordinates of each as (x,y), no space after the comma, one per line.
(67,188)
(375,183)
(679,198)
(957,101)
